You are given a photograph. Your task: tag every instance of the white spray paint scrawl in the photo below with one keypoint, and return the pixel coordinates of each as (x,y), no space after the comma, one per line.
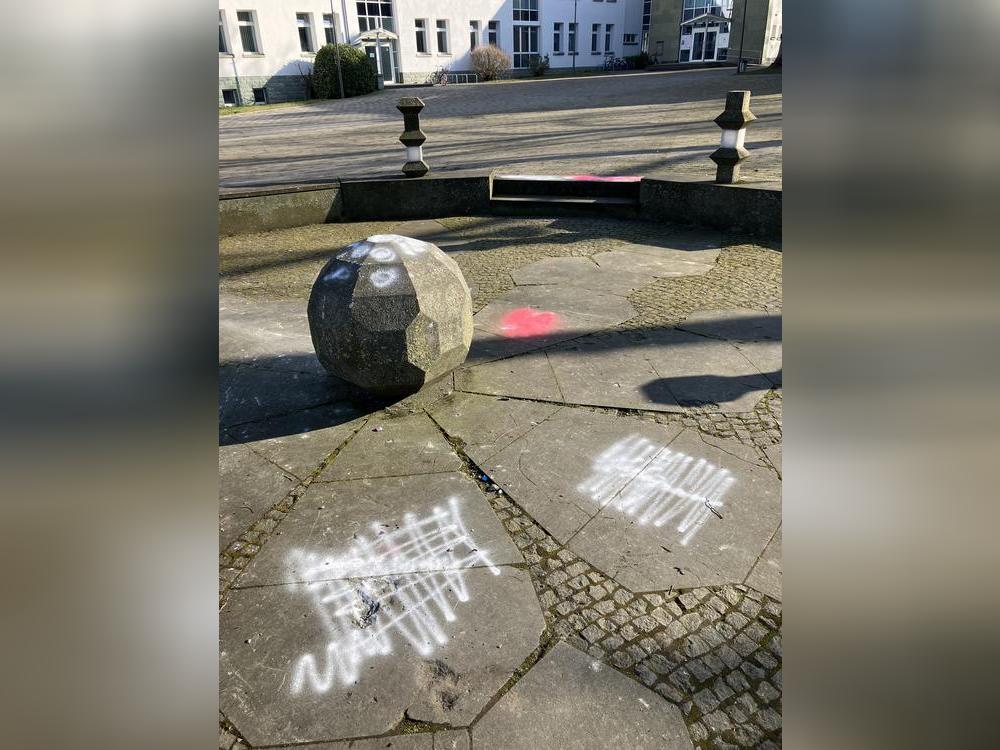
(400,582)
(655,485)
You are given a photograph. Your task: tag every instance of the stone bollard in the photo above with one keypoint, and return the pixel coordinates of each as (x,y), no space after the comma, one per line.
(733,122)
(390,314)
(413,137)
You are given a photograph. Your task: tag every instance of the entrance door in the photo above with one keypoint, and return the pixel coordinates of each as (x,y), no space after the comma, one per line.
(388,69)
(710,44)
(698,45)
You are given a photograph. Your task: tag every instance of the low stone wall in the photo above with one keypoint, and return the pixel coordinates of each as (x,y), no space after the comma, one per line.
(259,211)
(744,207)
(430,197)
(279,88)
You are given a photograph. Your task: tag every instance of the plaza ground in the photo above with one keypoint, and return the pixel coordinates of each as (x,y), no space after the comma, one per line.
(490,562)
(627,124)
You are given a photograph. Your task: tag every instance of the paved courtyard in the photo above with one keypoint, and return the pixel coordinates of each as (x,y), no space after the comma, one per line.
(573,541)
(638,124)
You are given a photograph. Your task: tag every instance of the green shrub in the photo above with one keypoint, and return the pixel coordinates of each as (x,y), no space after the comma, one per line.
(639,61)
(357,68)
(539,64)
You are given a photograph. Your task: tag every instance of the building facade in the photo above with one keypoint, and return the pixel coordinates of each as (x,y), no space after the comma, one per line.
(266,47)
(700,31)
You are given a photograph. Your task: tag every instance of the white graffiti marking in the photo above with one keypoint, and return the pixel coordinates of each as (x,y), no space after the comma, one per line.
(383,255)
(340,273)
(655,485)
(384,277)
(402,581)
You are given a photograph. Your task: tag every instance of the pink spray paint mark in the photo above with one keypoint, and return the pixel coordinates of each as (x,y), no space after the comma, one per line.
(525,321)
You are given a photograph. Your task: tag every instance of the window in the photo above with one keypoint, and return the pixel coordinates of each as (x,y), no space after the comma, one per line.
(525,44)
(305,31)
(248,30)
(571,40)
(557,38)
(421,24)
(442,38)
(607,37)
(373,16)
(229,97)
(526,10)
(473,34)
(723,53)
(329,29)
(493,33)
(595,35)
(685,55)
(631,39)
(223,42)
(260,96)
(693,8)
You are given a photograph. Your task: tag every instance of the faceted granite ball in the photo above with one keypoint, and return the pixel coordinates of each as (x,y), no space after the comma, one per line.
(390,313)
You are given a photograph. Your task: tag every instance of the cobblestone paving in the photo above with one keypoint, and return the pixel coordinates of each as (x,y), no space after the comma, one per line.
(715,652)
(622,124)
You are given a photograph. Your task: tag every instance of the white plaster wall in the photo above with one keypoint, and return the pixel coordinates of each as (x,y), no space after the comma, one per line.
(277,36)
(281,55)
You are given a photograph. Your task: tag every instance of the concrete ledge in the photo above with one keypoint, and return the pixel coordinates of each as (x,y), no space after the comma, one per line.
(742,207)
(429,197)
(260,210)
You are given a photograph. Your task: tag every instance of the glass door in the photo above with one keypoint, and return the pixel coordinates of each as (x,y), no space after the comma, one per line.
(710,44)
(698,46)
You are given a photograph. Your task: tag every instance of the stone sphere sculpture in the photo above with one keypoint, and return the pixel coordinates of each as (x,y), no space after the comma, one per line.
(389,314)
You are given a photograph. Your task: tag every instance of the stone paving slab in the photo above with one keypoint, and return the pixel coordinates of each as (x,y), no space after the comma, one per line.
(522,377)
(656,370)
(659,533)
(662,264)
(272,334)
(532,317)
(250,394)
(410,444)
(248,486)
(583,273)
(766,574)
(542,472)
(485,424)
(301,453)
(292,671)
(332,517)
(457,739)
(633,498)
(568,700)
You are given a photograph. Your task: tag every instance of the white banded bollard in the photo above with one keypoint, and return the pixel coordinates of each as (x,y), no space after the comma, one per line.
(413,137)
(733,122)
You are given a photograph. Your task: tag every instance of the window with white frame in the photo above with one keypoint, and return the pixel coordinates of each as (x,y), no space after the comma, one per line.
(373,16)
(304,22)
(473,34)
(571,39)
(525,44)
(329,28)
(525,10)
(223,40)
(247,21)
(493,33)
(631,39)
(557,30)
(608,30)
(442,37)
(421,28)
(693,8)
(595,37)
